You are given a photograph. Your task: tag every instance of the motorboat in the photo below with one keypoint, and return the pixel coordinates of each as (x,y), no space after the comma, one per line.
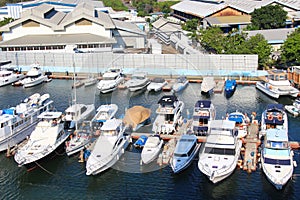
(185,151)
(141,141)
(294,109)
(241,122)
(204,112)
(207,86)
(47,137)
(16,123)
(276,84)
(9,75)
(168,115)
(110,80)
(77,84)
(180,84)
(137,82)
(219,155)
(277,157)
(105,112)
(109,147)
(230,86)
(273,116)
(77,113)
(34,77)
(136,117)
(151,149)
(90,81)
(157,84)
(80,138)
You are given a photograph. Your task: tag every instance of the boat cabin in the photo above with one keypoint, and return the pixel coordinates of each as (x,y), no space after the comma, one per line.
(274,116)
(201,117)
(111,127)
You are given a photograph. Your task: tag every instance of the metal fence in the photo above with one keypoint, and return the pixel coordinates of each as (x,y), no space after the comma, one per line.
(162,64)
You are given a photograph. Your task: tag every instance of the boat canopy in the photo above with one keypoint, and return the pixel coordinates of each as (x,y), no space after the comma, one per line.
(275,107)
(203,104)
(168,100)
(236,117)
(136,115)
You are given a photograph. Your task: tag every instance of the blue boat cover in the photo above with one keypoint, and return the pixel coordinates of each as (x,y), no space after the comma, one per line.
(8,111)
(167,100)
(141,141)
(275,107)
(200,128)
(238,118)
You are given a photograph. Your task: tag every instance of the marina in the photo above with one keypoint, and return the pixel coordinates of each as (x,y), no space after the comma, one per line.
(64,173)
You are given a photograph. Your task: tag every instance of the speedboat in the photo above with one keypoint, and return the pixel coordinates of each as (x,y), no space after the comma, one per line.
(219,156)
(204,113)
(137,82)
(230,86)
(273,116)
(110,80)
(33,77)
(136,117)
(186,149)
(90,81)
(9,75)
(207,86)
(157,84)
(168,114)
(76,113)
(16,123)
(180,84)
(276,84)
(47,136)
(294,109)
(277,157)
(151,149)
(241,122)
(109,147)
(141,141)
(105,112)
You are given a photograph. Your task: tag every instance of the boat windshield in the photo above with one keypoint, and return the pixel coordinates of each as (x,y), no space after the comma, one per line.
(277,145)
(277,161)
(220,151)
(109,78)
(180,155)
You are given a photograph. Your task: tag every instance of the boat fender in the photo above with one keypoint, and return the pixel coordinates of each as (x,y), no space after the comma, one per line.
(279,117)
(270,117)
(295,163)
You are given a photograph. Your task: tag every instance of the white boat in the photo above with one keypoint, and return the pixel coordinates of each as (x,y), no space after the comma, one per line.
(90,81)
(168,114)
(180,84)
(34,77)
(294,109)
(276,84)
(151,149)
(137,82)
(47,137)
(204,112)
(277,157)
(9,75)
(207,86)
(105,112)
(109,147)
(110,80)
(273,116)
(77,113)
(16,123)
(219,155)
(185,151)
(241,122)
(157,84)
(79,139)
(136,117)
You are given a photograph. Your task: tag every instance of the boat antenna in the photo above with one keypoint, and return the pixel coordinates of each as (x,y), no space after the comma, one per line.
(75,95)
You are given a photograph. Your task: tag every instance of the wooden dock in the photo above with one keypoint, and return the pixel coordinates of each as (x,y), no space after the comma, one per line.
(219,87)
(251,153)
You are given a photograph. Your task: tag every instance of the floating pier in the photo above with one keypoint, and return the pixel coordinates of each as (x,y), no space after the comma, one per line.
(219,87)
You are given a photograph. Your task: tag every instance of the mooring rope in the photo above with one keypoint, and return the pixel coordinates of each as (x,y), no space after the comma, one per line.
(44,169)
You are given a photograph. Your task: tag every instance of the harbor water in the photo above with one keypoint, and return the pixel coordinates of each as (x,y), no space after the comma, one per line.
(64,177)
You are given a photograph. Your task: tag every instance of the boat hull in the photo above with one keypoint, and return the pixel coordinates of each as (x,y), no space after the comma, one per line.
(272,93)
(35,82)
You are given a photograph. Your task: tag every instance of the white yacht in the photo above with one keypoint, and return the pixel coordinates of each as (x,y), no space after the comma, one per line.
(204,112)
(185,151)
(105,112)
(110,80)
(9,75)
(180,84)
(273,116)
(294,109)
(168,114)
(109,147)
(16,123)
(76,113)
(277,157)
(241,122)
(34,77)
(219,155)
(151,149)
(276,84)
(207,86)
(157,84)
(47,136)
(137,82)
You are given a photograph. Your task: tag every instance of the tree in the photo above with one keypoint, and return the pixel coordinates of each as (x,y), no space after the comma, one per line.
(269,17)
(212,39)
(6,21)
(291,48)
(190,25)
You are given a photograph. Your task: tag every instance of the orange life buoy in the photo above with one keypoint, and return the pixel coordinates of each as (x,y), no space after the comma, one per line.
(270,117)
(279,117)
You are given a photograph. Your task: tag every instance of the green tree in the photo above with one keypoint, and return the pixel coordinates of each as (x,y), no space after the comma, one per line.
(291,48)
(191,25)
(269,17)
(212,39)
(6,21)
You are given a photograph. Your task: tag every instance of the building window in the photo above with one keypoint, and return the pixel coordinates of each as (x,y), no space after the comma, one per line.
(108,45)
(102,45)
(42,47)
(23,48)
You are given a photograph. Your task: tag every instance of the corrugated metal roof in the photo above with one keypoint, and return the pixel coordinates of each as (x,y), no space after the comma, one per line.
(272,34)
(160,22)
(58,39)
(128,26)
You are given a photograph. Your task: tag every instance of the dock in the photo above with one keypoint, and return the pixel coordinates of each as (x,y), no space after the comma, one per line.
(219,87)
(250,151)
